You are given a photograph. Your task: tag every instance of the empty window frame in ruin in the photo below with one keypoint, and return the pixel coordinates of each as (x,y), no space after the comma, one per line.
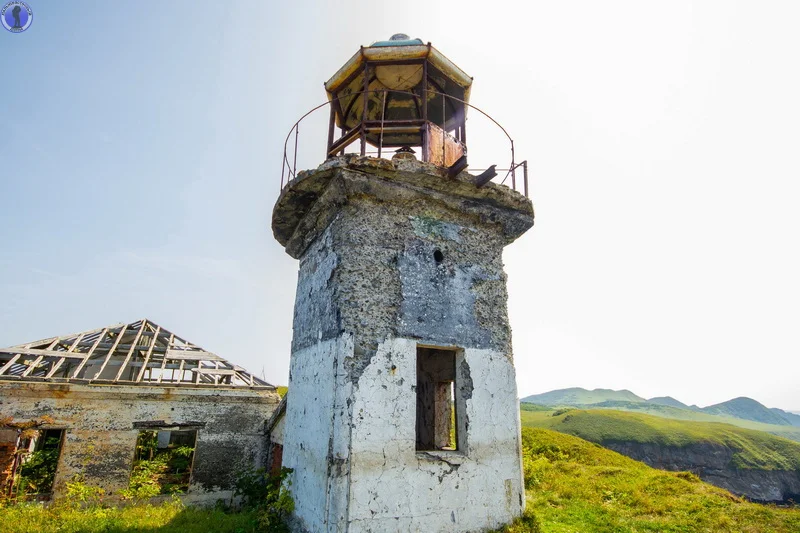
(163,460)
(437,407)
(28,461)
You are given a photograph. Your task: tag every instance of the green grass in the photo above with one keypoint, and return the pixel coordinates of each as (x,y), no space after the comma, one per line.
(789,432)
(751,449)
(573,486)
(665,411)
(534,407)
(170,517)
(576,486)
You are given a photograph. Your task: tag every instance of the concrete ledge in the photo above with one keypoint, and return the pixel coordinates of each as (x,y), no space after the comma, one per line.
(309,202)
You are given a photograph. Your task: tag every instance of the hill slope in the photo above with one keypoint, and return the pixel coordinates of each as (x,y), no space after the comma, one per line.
(747,409)
(742,412)
(790,417)
(668,401)
(573,485)
(753,463)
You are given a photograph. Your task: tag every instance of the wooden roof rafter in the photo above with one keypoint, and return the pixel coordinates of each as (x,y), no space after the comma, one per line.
(141,352)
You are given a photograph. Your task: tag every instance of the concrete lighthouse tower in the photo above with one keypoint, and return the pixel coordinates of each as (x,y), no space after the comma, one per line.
(402,411)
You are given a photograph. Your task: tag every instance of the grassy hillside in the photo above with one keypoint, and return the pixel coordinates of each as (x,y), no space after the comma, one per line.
(575,486)
(751,449)
(668,411)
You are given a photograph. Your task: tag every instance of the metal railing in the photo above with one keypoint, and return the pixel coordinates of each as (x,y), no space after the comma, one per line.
(349,137)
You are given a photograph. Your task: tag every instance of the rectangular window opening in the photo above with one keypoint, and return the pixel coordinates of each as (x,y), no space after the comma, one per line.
(31,468)
(437,408)
(163,462)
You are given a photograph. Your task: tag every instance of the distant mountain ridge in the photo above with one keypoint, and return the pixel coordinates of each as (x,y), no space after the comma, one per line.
(671,402)
(743,408)
(580,396)
(749,409)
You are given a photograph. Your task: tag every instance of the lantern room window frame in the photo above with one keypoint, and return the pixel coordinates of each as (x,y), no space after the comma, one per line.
(421,131)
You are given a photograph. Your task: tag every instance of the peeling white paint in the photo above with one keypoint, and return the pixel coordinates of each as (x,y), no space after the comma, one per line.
(389,486)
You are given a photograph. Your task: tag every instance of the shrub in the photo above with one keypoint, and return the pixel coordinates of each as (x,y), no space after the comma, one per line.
(78,492)
(269,495)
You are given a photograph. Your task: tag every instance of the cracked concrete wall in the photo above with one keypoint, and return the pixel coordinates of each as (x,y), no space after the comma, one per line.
(100,436)
(395,488)
(390,266)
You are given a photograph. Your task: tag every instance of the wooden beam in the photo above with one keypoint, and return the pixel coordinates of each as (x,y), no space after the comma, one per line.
(164,363)
(215,371)
(111,352)
(62,358)
(8,365)
(47,353)
(55,367)
(32,366)
(130,351)
(89,354)
(192,355)
(147,356)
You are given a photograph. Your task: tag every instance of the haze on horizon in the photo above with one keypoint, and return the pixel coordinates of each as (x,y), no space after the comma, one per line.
(142,152)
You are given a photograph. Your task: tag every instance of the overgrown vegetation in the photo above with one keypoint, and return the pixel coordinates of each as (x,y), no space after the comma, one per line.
(572,486)
(38,472)
(268,495)
(35,458)
(576,486)
(267,503)
(159,470)
(168,517)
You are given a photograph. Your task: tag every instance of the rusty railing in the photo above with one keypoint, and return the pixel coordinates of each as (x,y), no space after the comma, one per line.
(350,137)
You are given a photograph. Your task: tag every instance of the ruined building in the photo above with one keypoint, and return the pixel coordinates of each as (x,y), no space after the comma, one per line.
(402,410)
(101,403)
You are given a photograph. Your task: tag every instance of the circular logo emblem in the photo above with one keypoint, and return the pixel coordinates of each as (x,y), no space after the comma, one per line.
(16,16)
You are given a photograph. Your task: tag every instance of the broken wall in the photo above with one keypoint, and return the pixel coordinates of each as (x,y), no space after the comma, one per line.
(102,423)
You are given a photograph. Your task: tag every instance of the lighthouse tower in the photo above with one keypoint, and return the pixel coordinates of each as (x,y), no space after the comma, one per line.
(402,411)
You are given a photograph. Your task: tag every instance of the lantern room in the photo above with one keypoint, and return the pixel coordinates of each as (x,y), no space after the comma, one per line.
(400,94)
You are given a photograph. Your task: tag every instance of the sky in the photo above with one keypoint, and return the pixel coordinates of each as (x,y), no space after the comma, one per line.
(141,151)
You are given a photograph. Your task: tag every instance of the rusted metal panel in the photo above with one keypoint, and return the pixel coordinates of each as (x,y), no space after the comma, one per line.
(443,148)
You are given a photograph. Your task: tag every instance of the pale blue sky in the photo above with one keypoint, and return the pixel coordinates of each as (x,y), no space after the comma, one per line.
(141,147)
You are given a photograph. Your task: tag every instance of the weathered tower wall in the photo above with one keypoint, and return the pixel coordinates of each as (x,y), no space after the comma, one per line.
(396,262)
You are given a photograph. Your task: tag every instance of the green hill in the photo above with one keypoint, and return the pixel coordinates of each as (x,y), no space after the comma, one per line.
(792,418)
(575,486)
(669,401)
(747,409)
(579,396)
(735,413)
(751,449)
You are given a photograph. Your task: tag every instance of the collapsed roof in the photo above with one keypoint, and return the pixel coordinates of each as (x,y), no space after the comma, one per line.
(138,353)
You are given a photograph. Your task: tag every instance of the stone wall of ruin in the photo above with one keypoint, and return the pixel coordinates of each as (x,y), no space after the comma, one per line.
(102,423)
